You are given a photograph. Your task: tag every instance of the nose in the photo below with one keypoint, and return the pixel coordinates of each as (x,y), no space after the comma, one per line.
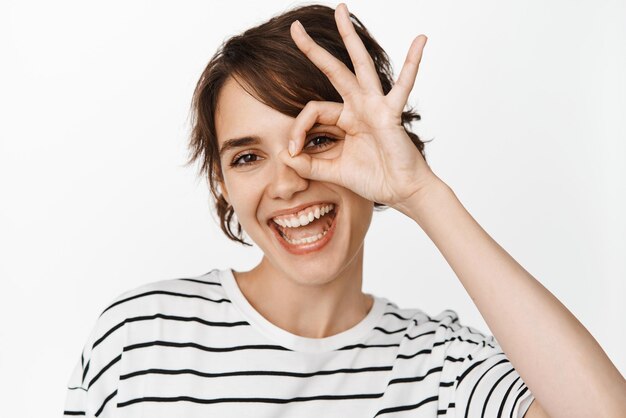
(285,181)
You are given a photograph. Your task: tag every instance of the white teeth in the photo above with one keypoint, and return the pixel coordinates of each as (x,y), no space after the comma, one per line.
(305,219)
(306,240)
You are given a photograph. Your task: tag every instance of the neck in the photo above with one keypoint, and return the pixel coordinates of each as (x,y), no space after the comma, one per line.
(331,305)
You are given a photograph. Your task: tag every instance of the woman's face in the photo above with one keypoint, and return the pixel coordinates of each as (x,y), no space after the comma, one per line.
(265,186)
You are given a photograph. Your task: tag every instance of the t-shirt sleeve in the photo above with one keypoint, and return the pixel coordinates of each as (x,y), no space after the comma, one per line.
(485,382)
(92,385)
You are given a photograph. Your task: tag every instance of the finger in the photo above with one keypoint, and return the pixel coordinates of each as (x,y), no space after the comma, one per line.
(320,169)
(339,75)
(313,112)
(363,64)
(399,94)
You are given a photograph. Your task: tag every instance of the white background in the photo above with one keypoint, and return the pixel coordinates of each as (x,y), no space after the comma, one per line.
(526,102)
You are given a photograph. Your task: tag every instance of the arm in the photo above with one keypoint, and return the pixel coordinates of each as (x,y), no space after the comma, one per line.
(563,365)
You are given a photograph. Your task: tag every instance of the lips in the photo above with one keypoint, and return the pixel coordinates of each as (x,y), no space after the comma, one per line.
(307,248)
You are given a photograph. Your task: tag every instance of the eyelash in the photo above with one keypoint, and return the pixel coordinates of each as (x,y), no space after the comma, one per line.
(323,145)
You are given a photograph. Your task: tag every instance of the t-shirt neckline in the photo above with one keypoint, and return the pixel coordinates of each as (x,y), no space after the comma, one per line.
(296,342)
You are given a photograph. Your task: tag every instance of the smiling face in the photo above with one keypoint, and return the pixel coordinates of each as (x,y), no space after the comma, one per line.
(260,187)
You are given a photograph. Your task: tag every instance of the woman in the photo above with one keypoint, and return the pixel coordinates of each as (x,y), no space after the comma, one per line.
(301,137)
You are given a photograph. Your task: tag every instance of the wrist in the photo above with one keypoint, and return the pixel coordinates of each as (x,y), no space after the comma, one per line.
(426,199)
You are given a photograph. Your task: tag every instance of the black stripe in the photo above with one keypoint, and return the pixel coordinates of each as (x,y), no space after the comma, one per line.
(517,399)
(283,373)
(104,369)
(407,407)
(410,318)
(469,401)
(170,318)
(108,398)
(85,370)
(202,282)
(428,351)
(163,292)
(250,400)
(459,338)
(506,395)
(257,346)
(450,358)
(390,332)
(473,342)
(76,388)
(396,315)
(73,412)
(350,347)
(415,378)
(204,348)
(420,335)
(493,389)
(254,372)
(469,369)
(410,356)
(106,334)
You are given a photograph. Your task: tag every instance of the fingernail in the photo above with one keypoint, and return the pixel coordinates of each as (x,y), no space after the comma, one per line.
(292,148)
(299,25)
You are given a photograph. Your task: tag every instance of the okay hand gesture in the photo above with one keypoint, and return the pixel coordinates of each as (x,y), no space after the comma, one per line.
(378,160)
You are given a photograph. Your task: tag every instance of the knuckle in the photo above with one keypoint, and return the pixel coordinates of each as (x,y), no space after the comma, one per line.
(313,106)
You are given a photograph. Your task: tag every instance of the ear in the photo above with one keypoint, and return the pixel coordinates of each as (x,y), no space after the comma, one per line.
(223,191)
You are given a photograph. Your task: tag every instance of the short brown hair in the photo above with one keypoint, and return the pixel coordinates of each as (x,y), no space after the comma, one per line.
(269,63)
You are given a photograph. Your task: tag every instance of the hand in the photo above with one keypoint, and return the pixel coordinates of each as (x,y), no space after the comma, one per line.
(378,160)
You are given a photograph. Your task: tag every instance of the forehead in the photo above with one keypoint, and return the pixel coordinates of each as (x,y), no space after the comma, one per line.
(238,114)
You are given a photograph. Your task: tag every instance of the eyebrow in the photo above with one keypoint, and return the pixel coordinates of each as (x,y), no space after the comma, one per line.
(239,143)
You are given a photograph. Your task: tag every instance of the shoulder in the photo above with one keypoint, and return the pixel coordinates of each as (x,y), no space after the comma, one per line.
(103,348)
(441,340)
(148,300)
(443,329)
(158,295)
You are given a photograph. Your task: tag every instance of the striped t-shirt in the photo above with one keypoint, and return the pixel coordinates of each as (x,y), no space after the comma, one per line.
(195,347)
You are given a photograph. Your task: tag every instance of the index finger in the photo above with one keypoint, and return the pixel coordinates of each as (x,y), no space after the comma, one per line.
(326,113)
(339,75)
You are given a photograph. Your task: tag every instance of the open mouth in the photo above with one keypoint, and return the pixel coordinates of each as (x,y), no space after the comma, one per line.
(309,237)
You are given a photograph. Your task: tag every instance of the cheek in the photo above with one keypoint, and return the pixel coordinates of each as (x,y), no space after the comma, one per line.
(364,217)
(245,197)
(359,210)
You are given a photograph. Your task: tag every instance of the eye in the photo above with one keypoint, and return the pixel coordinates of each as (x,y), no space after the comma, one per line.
(325,141)
(246,157)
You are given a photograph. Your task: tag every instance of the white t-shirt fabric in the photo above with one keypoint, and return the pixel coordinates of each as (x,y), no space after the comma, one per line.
(195,347)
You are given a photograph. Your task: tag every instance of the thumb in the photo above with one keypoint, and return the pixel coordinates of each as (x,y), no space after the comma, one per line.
(319,169)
